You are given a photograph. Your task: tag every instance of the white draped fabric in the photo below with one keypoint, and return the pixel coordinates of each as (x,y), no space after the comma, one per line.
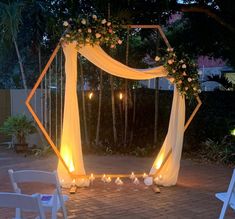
(71,149)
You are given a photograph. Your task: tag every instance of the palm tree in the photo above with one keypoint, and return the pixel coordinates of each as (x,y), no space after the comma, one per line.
(222,80)
(10,20)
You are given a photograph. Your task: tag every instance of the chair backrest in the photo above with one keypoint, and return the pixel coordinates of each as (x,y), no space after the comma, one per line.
(33,176)
(230,194)
(29,176)
(24,202)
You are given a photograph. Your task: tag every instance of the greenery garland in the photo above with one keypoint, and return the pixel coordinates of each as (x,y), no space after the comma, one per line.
(183,72)
(89,29)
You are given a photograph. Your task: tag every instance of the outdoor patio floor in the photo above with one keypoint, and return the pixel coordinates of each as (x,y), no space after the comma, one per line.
(192,197)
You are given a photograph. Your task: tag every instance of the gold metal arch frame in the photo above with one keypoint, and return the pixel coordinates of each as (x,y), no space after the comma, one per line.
(48,137)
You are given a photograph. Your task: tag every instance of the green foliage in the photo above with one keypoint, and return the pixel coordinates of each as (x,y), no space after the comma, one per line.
(222,80)
(19,127)
(222,151)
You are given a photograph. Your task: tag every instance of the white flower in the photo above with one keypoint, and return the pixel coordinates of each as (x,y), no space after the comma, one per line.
(97,35)
(186,88)
(83,21)
(94,16)
(108,24)
(184,66)
(190,79)
(170,61)
(194,88)
(173,71)
(79,30)
(65,24)
(89,30)
(168,50)
(171,49)
(181,61)
(199,90)
(119,42)
(103,21)
(67,35)
(157,58)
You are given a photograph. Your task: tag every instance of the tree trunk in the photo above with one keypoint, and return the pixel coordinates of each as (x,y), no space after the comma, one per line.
(84,106)
(113,110)
(133,117)
(99,109)
(156,110)
(156,96)
(20,64)
(126,111)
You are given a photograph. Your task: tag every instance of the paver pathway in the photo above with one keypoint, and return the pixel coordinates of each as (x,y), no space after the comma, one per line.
(192,197)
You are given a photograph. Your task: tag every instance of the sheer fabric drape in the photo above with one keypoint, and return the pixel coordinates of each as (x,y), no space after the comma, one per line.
(71,137)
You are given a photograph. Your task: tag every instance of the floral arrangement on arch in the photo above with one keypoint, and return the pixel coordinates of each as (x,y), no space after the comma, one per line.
(182,72)
(92,30)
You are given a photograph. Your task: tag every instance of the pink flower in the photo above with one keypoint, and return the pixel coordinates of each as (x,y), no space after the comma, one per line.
(180,81)
(89,30)
(119,42)
(170,61)
(110,30)
(184,73)
(173,70)
(186,88)
(184,66)
(112,46)
(108,24)
(97,35)
(189,79)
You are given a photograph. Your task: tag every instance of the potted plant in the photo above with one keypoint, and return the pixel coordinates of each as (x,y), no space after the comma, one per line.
(19,127)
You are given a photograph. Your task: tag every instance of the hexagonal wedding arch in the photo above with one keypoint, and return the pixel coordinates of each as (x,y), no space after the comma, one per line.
(70,156)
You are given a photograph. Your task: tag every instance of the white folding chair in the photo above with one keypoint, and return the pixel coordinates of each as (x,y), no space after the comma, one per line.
(228,198)
(28,203)
(50,202)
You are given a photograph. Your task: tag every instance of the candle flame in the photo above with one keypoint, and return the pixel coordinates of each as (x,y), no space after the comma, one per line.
(90,95)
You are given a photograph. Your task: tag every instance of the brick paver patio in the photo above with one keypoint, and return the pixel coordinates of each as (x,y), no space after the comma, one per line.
(192,197)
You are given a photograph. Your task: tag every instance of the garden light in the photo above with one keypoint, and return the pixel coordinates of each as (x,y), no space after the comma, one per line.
(232,132)
(90,95)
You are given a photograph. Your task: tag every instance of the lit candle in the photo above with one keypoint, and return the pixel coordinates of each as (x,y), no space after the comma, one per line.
(108,180)
(73,182)
(145,175)
(136,181)
(103,178)
(92,178)
(118,181)
(132,176)
(156,179)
